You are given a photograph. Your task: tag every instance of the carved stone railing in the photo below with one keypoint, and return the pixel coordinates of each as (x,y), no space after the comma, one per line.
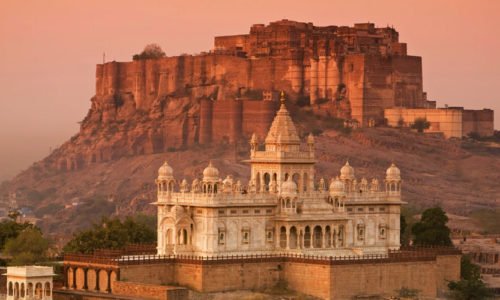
(407,254)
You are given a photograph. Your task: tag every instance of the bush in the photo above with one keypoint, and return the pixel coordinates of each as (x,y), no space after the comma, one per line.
(151,51)
(420,124)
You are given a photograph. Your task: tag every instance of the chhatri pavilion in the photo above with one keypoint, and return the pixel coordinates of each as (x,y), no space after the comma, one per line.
(282,209)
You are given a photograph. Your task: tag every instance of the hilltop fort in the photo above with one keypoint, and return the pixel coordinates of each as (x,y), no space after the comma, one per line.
(353,73)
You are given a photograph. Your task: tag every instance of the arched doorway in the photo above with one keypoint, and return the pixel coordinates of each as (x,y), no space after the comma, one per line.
(318,237)
(293,237)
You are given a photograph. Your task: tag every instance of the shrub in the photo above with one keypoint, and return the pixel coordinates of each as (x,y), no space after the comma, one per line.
(151,51)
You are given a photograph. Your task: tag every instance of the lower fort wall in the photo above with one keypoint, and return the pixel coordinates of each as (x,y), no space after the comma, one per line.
(427,271)
(151,274)
(241,276)
(149,291)
(310,279)
(350,281)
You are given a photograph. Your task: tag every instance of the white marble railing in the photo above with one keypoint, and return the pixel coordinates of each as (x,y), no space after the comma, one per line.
(267,197)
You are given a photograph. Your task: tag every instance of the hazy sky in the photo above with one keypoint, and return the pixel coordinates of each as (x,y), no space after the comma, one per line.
(48,51)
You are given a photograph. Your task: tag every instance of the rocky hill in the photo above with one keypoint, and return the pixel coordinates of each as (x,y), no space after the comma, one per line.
(460,175)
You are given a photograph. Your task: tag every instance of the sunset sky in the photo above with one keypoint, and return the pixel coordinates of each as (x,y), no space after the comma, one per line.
(48,51)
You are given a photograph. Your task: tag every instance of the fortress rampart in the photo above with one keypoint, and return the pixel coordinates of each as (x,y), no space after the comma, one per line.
(427,270)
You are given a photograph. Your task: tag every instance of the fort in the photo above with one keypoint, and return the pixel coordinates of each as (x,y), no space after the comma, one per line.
(354,73)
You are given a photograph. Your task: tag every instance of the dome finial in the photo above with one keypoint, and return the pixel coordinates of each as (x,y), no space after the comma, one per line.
(282,97)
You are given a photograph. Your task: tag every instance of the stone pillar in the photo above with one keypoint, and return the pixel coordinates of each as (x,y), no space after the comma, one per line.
(65,278)
(287,234)
(108,288)
(73,284)
(85,277)
(97,280)
(323,238)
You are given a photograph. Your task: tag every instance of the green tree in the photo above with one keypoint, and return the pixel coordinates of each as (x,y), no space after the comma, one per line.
(432,229)
(112,234)
(28,248)
(420,124)
(470,286)
(10,229)
(151,51)
(403,237)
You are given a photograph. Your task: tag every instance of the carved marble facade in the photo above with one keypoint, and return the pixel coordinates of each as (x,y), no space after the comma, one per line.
(282,208)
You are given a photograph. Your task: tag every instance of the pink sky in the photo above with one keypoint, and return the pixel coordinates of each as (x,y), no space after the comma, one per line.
(48,51)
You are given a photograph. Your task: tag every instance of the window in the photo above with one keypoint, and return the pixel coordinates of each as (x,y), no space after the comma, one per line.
(269,236)
(382,209)
(245,211)
(222,236)
(245,236)
(382,231)
(371,209)
(221,212)
(233,211)
(361,232)
(360,209)
(257,211)
(349,209)
(269,211)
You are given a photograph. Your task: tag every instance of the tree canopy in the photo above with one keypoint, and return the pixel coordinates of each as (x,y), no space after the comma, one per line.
(112,234)
(10,229)
(432,229)
(151,51)
(470,286)
(28,248)
(420,124)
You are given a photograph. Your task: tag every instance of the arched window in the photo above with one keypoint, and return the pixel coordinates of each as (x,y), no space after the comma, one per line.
(306,182)
(11,289)
(298,182)
(307,237)
(47,289)
(39,290)
(168,237)
(318,237)
(282,237)
(293,238)
(22,291)
(16,290)
(29,291)
(328,237)
(267,181)
(184,237)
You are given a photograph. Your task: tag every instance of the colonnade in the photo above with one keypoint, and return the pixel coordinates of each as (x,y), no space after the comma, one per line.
(29,290)
(311,237)
(105,275)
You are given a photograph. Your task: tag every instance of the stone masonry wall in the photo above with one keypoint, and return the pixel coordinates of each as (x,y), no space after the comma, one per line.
(149,291)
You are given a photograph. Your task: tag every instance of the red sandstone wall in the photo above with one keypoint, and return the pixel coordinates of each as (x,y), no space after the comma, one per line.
(150,274)
(447,269)
(309,279)
(149,291)
(244,276)
(348,281)
(479,121)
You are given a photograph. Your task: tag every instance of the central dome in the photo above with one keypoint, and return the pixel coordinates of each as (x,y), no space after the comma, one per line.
(347,172)
(336,187)
(393,173)
(165,171)
(282,127)
(210,173)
